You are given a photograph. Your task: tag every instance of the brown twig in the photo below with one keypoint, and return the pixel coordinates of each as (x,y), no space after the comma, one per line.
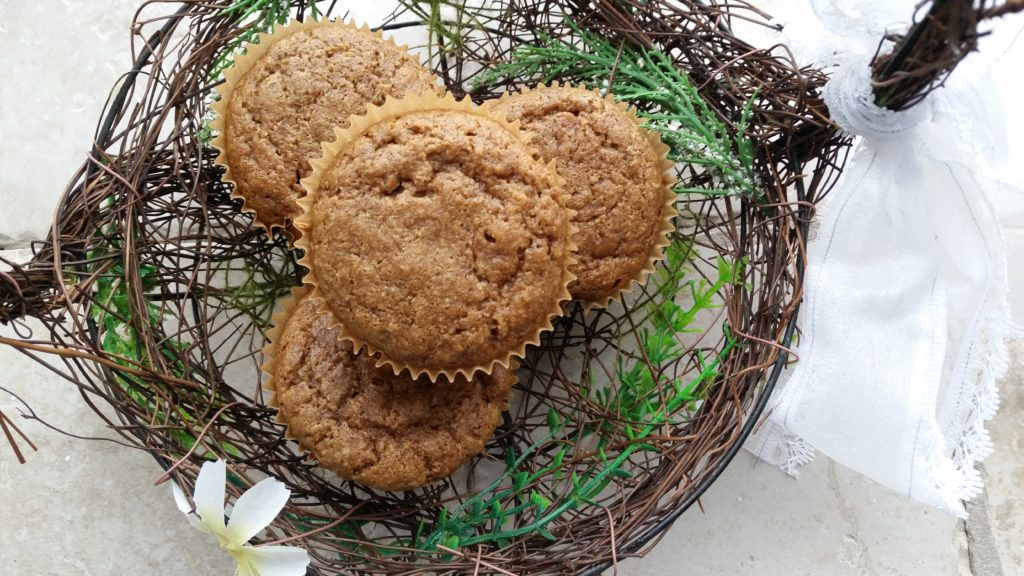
(7,425)
(922,58)
(478,560)
(612,544)
(184,458)
(1008,7)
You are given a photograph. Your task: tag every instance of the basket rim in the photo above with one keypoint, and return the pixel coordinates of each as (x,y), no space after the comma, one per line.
(651,533)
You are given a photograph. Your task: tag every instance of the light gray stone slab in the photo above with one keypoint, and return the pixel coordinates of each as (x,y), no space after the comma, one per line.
(1005,469)
(60,59)
(832,521)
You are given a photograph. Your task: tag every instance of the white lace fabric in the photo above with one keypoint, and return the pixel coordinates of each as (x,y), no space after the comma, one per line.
(905,315)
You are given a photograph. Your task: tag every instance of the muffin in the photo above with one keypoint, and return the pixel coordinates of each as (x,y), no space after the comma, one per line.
(437,236)
(287,94)
(617,181)
(365,423)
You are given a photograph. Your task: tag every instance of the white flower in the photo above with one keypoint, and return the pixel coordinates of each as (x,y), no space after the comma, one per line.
(253,511)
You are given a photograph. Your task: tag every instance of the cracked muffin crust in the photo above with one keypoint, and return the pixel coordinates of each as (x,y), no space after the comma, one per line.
(287,97)
(437,237)
(616,181)
(367,424)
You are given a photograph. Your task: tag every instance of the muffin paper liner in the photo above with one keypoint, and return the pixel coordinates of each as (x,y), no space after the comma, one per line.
(280,321)
(243,64)
(669,212)
(394,108)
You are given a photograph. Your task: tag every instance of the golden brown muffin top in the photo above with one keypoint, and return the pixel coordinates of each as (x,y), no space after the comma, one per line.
(439,239)
(293,97)
(615,181)
(365,423)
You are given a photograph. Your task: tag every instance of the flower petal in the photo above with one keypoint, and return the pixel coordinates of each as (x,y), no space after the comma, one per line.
(245,567)
(197,523)
(209,495)
(186,507)
(256,509)
(180,499)
(278,560)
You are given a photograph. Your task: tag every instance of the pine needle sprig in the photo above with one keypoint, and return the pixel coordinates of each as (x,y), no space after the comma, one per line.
(664,96)
(261,16)
(447,23)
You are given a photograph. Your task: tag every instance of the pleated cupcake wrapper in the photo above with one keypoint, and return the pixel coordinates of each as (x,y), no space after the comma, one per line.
(669,211)
(243,64)
(279,321)
(394,108)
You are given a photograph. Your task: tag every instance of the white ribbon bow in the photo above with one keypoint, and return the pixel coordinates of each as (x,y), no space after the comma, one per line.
(905,315)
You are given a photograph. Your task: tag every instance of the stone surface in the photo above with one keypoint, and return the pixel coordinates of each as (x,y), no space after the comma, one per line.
(1005,469)
(758,521)
(60,59)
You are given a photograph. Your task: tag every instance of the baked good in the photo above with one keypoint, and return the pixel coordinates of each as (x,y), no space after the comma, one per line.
(617,180)
(437,236)
(365,423)
(287,94)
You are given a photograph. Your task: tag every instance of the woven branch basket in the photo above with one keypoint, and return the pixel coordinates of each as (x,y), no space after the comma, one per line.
(157,293)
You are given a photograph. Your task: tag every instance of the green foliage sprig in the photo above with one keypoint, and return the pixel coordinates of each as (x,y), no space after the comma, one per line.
(664,95)
(446,34)
(645,399)
(120,339)
(642,382)
(264,16)
(250,287)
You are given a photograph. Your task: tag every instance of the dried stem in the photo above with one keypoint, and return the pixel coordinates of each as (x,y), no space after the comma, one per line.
(922,59)
(7,425)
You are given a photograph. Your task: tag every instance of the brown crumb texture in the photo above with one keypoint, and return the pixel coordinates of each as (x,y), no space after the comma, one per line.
(290,101)
(439,239)
(614,180)
(368,425)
